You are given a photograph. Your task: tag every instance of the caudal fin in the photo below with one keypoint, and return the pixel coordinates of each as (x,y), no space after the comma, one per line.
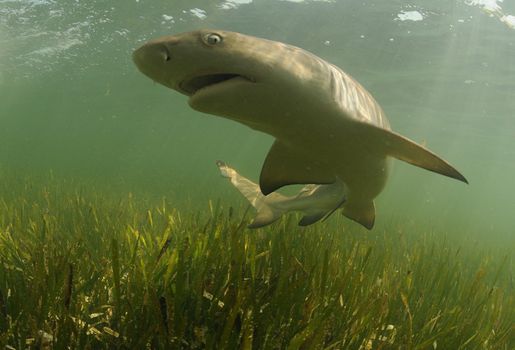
(265,216)
(267,213)
(247,188)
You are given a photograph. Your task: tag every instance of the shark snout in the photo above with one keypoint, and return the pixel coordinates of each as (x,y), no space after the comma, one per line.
(158,60)
(155,52)
(151,55)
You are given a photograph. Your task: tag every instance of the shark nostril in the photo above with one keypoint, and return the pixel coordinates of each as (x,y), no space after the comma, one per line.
(165,53)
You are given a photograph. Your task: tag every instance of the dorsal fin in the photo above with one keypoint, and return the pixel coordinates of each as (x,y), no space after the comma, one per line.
(284,166)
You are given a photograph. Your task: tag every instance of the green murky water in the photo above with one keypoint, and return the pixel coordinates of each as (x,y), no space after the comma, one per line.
(73,102)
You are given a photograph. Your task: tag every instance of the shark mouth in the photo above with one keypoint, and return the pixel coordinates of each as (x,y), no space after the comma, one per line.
(192,85)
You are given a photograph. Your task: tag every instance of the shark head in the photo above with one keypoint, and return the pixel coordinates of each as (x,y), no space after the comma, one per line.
(222,73)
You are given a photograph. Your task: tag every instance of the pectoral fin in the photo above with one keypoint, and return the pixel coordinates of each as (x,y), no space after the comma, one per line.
(402,148)
(285,166)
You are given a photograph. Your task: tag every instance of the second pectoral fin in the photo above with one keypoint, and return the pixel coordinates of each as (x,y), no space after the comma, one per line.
(287,166)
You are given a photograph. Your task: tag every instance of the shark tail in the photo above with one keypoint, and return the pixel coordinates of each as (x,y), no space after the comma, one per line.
(265,216)
(266,213)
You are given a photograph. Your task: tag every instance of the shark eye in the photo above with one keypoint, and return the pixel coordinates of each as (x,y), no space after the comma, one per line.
(213,39)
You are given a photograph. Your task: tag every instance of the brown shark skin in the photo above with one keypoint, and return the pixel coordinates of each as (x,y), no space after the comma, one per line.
(327,126)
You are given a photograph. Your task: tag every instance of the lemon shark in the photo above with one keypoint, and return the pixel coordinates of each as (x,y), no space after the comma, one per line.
(316,202)
(325,124)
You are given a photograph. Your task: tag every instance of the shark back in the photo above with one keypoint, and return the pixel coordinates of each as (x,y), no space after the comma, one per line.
(354,100)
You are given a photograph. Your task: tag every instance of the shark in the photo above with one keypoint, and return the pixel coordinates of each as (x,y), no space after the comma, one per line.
(327,127)
(316,202)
